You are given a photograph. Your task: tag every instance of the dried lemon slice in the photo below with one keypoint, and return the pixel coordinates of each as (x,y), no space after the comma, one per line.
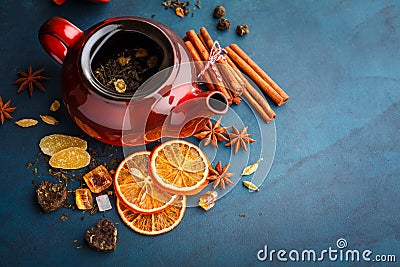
(70,158)
(51,144)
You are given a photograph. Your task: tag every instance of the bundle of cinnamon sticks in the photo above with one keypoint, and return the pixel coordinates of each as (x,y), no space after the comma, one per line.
(233,83)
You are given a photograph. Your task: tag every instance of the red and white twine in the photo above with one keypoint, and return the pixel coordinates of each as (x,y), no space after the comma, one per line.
(215,55)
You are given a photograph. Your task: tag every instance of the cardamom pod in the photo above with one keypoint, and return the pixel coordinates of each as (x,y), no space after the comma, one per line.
(49,119)
(55,105)
(250,185)
(251,168)
(26,122)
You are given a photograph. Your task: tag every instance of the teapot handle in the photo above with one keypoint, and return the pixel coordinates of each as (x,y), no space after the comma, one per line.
(56,35)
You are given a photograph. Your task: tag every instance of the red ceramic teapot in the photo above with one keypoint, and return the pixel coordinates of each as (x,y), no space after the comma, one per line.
(167,104)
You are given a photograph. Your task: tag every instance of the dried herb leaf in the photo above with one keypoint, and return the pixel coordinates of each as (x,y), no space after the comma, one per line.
(250,185)
(251,168)
(26,122)
(49,119)
(55,105)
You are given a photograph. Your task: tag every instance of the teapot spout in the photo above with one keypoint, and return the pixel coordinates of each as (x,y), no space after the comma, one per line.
(216,103)
(191,115)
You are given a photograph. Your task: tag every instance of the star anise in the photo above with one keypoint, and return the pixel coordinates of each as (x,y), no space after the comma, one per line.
(213,133)
(239,139)
(30,79)
(5,110)
(220,176)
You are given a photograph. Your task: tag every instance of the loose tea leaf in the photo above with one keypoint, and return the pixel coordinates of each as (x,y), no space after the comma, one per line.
(250,185)
(49,119)
(55,105)
(251,168)
(26,123)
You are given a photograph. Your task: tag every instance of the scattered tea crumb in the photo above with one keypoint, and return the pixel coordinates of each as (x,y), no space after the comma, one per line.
(181,9)
(179,12)
(75,240)
(64,217)
(242,215)
(79,247)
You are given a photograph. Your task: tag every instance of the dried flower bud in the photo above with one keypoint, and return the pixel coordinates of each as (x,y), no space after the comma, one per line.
(219,12)
(120,86)
(223,24)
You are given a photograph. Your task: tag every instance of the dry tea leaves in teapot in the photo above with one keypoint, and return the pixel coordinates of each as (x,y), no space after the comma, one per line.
(26,123)
(54,143)
(49,119)
(125,70)
(70,158)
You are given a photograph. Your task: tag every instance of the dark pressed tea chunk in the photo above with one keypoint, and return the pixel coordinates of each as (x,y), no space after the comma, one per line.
(51,196)
(103,236)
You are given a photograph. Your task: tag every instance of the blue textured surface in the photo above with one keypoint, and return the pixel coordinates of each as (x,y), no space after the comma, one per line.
(336,170)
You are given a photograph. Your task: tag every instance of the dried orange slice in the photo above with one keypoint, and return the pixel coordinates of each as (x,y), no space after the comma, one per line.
(179,167)
(135,188)
(70,158)
(153,224)
(51,144)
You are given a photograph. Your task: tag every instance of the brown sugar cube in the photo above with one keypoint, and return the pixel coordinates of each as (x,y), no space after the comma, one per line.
(98,179)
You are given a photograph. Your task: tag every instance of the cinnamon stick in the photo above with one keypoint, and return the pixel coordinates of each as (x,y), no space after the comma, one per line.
(234,85)
(253,93)
(194,39)
(260,72)
(196,57)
